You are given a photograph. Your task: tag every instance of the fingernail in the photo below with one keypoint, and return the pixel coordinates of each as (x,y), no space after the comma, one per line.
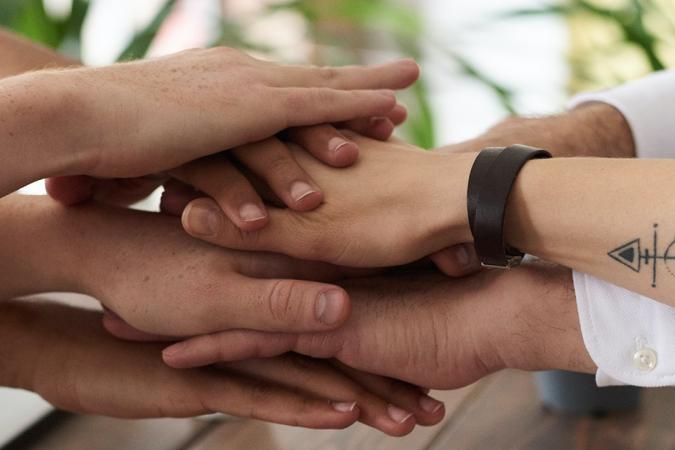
(336,143)
(397,414)
(250,212)
(174,349)
(300,190)
(429,404)
(203,220)
(329,307)
(343,407)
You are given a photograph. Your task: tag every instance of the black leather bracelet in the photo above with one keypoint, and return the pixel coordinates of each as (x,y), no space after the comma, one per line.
(492,177)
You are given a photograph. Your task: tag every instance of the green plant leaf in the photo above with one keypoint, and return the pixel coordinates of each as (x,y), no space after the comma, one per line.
(32,21)
(420,127)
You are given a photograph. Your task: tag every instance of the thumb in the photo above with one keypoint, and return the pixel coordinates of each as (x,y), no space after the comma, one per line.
(457,261)
(70,190)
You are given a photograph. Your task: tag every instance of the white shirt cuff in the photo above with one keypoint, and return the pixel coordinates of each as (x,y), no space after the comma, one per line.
(628,336)
(648,104)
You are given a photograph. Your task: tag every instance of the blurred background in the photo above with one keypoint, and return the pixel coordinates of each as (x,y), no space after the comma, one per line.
(481,59)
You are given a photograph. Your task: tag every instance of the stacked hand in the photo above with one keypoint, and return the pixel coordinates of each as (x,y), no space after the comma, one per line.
(146,270)
(251,158)
(177,119)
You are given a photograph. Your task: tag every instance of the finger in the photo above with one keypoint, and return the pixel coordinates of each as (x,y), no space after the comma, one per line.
(393,75)
(457,261)
(314,106)
(122,330)
(70,190)
(326,144)
(404,398)
(237,345)
(126,191)
(268,265)
(398,115)
(285,305)
(320,379)
(256,399)
(380,128)
(203,219)
(228,346)
(176,197)
(233,193)
(273,162)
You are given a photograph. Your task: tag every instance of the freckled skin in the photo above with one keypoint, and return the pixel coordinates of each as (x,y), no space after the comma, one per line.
(433,331)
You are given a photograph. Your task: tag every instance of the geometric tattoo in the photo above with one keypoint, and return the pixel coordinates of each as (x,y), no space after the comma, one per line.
(630,255)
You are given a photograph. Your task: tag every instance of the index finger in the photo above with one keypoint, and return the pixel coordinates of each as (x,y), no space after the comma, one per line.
(392,75)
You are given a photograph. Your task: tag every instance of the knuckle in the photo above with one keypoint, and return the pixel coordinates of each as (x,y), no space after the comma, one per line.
(303,364)
(398,388)
(260,394)
(322,96)
(316,240)
(321,345)
(246,239)
(296,100)
(327,73)
(277,163)
(223,51)
(280,301)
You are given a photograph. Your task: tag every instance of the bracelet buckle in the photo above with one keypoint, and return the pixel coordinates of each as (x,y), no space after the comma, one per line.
(511,261)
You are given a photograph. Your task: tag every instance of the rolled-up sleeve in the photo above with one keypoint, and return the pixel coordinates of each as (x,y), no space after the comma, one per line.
(630,337)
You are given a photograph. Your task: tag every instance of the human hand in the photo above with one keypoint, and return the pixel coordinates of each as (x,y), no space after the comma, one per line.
(431,331)
(146,269)
(85,370)
(396,205)
(144,117)
(276,167)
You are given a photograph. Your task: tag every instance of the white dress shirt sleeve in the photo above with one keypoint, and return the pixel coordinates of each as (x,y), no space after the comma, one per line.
(630,337)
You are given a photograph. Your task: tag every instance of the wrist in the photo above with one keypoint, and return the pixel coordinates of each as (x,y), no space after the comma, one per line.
(447,178)
(540,327)
(42,118)
(592,129)
(17,344)
(43,258)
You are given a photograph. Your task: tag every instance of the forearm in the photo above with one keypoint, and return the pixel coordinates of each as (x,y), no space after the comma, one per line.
(39,120)
(35,254)
(19,55)
(30,147)
(19,343)
(536,320)
(593,129)
(576,212)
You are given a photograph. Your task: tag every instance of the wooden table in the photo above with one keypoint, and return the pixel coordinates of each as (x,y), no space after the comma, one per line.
(500,412)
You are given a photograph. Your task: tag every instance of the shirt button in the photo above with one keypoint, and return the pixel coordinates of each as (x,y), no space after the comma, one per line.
(645,359)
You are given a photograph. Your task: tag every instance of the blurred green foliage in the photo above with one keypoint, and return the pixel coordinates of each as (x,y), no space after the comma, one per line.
(642,28)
